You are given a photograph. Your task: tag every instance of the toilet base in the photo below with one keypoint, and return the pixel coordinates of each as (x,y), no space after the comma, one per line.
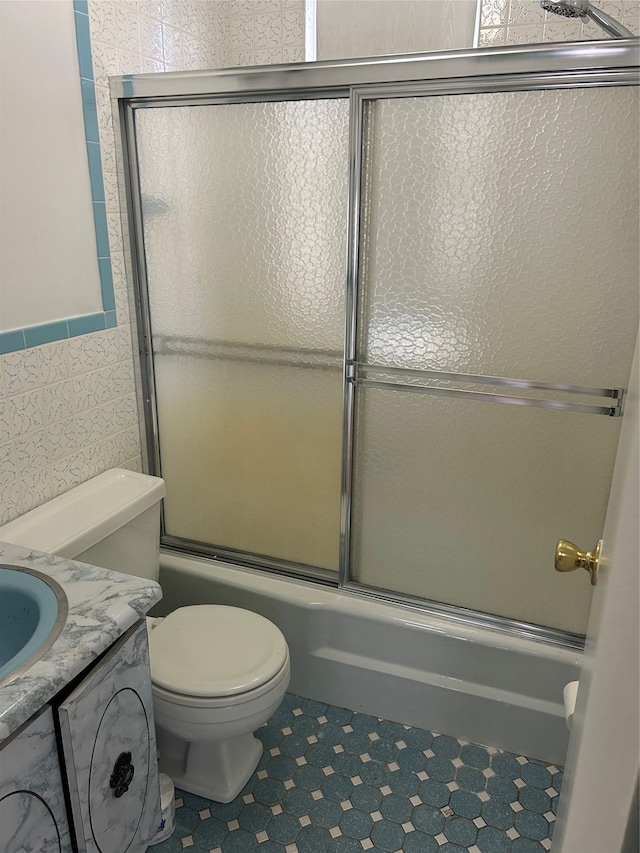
(217,771)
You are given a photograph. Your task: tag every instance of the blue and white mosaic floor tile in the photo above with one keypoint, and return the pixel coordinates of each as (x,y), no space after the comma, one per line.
(337,781)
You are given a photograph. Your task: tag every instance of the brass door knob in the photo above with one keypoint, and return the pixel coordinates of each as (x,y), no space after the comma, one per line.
(569,558)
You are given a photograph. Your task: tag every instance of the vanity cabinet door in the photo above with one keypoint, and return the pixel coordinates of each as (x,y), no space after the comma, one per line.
(33,816)
(109,746)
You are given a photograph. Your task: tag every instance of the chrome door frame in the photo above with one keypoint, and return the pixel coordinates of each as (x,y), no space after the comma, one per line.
(523,67)
(559,59)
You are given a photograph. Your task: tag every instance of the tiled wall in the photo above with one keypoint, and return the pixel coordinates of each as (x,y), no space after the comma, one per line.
(68,408)
(67,412)
(135,37)
(264,32)
(525,22)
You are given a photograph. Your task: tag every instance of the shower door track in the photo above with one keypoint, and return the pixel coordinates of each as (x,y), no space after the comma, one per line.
(520,68)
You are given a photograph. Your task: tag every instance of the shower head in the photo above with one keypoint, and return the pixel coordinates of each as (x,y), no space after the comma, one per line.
(568,9)
(584,9)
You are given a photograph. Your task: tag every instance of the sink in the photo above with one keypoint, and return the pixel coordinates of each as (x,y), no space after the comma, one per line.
(33,611)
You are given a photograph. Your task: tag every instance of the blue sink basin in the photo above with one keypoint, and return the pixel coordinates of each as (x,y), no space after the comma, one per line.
(33,610)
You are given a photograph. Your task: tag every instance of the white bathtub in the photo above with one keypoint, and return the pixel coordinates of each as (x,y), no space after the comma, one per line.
(394,662)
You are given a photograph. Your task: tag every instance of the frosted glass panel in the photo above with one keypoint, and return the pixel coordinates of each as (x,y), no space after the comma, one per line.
(244,220)
(501,234)
(251,456)
(463,502)
(244,210)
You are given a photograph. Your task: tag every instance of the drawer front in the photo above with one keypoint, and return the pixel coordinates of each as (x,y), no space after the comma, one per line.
(33,816)
(109,745)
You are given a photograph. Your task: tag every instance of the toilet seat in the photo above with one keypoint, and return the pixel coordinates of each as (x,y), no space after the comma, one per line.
(213,652)
(231,702)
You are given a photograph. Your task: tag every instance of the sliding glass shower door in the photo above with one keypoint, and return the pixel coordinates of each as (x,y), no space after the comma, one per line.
(388,312)
(498,239)
(243,209)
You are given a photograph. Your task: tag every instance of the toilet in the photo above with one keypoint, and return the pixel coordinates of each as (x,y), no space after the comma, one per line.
(218,673)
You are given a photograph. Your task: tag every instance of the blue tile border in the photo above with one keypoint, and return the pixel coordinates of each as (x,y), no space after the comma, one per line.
(11,341)
(46,333)
(106,283)
(87,323)
(83,41)
(89,110)
(100,222)
(33,336)
(95,174)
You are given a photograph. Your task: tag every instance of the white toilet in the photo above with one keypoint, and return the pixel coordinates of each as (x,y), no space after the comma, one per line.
(218,672)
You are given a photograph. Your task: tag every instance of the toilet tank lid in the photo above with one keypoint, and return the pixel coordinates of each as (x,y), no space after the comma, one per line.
(83,516)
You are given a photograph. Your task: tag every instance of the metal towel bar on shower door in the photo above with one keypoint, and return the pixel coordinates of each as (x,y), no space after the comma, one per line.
(615,394)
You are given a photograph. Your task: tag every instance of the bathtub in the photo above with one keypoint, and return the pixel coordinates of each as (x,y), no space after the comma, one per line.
(395,662)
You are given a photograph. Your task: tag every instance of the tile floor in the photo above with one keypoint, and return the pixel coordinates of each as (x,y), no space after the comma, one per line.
(335,781)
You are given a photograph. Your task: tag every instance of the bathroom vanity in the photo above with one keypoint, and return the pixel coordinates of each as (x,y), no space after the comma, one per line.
(78,767)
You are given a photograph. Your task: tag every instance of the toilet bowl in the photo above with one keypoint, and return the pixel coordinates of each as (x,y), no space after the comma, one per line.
(218,672)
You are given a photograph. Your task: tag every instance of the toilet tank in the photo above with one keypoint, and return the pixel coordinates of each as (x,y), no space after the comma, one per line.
(111,521)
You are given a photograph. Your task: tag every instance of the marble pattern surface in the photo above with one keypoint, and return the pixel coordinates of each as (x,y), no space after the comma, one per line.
(31,794)
(102,606)
(107,716)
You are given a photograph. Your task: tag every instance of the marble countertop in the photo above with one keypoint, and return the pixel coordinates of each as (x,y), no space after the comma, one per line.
(102,606)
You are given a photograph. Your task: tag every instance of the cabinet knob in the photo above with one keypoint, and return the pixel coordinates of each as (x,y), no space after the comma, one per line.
(122,774)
